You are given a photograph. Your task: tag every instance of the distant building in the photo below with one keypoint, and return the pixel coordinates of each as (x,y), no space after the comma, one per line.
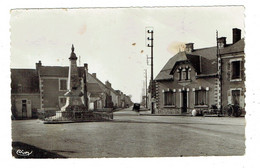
(200,78)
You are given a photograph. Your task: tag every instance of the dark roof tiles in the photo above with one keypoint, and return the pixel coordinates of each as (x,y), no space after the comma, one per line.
(24,81)
(57,71)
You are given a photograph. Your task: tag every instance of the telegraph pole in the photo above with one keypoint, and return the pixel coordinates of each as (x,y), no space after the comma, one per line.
(150,38)
(146,105)
(219,68)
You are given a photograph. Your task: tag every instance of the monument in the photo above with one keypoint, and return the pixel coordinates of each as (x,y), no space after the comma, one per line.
(74,101)
(75,108)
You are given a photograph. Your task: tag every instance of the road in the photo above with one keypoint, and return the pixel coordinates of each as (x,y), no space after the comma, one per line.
(134,135)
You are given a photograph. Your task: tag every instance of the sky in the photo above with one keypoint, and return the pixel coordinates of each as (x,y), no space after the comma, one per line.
(113,40)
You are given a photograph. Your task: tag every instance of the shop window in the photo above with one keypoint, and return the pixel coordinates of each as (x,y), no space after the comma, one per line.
(169,98)
(200,97)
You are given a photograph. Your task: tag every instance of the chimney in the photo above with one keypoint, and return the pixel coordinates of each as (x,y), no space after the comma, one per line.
(108,84)
(86,65)
(236,35)
(94,75)
(222,42)
(38,65)
(189,47)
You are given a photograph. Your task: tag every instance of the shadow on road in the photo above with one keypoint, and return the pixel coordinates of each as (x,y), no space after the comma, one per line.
(26,151)
(176,123)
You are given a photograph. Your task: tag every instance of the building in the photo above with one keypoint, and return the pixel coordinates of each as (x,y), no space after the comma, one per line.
(233,71)
(43,89)
(201,78)
(25,94)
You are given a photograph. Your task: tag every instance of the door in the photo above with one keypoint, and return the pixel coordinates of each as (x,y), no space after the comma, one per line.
(24,109)
(184,101)
(95,104)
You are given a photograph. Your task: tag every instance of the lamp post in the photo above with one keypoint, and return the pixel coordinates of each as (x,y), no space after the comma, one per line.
(149,31)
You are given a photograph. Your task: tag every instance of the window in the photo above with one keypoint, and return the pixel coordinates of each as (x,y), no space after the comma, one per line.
(236,97)
(188,73)
(20,88)
(200,97)
(169,98)
(63,84)
(179,73)
(62,101)
(184,74)
(236,70)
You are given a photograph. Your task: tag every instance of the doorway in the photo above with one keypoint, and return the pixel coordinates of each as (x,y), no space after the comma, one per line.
(184,102)
(24,109)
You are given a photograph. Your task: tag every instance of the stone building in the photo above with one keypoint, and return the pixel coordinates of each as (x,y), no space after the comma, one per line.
(233,71)
(201,78)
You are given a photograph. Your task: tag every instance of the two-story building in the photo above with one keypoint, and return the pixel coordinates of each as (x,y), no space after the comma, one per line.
(233,71)
(196,78)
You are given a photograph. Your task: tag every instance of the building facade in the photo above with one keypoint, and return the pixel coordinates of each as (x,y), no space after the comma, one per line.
(202,78)
(25,94)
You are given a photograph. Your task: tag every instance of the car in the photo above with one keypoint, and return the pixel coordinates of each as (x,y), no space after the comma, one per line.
(136,107)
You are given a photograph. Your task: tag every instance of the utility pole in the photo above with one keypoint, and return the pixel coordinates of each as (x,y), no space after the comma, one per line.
(146,105)
(219,68)
(150,44)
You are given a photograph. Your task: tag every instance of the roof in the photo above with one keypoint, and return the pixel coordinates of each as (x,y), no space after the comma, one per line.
(57,71)
(94,88)
(194,60)
(235,48)
(105,86)
(207,63)
(24,81)
(201,59)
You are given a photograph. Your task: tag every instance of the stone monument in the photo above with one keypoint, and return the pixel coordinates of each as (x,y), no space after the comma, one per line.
(74,103)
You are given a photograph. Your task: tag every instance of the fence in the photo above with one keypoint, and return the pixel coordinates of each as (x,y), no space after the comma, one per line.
(80,116)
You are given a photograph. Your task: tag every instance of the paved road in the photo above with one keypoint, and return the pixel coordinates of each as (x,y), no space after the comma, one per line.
(134,135)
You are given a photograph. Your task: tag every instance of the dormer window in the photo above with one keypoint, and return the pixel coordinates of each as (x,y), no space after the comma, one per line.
(179,73)
(188,73)
(184,73)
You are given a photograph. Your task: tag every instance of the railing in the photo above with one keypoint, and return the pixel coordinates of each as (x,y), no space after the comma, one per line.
(80,116)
